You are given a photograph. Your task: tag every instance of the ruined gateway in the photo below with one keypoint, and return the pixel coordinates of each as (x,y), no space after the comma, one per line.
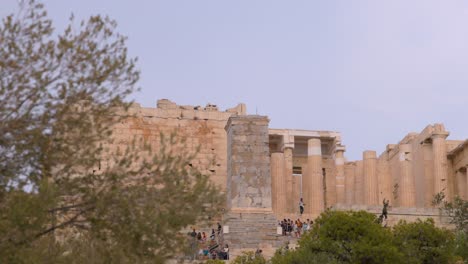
(265,171)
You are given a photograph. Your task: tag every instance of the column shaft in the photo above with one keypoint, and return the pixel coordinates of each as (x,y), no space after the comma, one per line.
(439,149)
(386,178)
(359,183)
(313,182)
(340,176)
(278,190)
(428,174)
(296,193)
(466,183)
(349,183)
(288,171)
(370,178)
(407,187)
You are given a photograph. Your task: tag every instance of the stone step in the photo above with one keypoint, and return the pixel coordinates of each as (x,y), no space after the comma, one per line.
(252,231)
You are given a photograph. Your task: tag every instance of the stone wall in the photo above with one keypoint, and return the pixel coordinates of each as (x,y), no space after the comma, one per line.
(249,181)
(250,218)
(202,127)
(235,148)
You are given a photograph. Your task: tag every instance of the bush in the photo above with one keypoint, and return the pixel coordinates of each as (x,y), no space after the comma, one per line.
(214,261)
(351,237)
(356,237)
(423,242)
(249,257)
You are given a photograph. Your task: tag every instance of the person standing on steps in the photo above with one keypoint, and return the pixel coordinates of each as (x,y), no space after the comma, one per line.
(386,203)
(212,235)
(301,206)
(226,249)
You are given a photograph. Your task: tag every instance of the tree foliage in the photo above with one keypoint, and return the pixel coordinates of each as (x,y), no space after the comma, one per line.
(352,237)
(249,257)
(66,194)
(423,242)
(356,237)
(457,211)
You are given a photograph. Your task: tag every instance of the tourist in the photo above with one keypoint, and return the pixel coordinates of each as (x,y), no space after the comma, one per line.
(301,206)
(204,237)
(309,226)
(205,252)
(214,254)
(213,235)
(200,253)
(305,227)
(385,208)
(296,229)
(258,253)
(290,226)
(299,227)
(199,236)
(219,228)
(283,228)
(226,250)
(194,233)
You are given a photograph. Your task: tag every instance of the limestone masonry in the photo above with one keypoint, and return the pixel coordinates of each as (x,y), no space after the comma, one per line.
(264,171)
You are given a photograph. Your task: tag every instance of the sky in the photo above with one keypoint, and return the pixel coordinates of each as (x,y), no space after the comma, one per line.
(372,70)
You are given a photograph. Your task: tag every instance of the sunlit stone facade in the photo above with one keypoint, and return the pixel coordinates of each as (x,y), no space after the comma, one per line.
(265,171)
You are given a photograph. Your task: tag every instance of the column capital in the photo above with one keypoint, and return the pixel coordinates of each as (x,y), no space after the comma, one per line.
(287,146)
(441,134)
(339,155)
(288,142)
(369,154)
(431,132)
(340,148)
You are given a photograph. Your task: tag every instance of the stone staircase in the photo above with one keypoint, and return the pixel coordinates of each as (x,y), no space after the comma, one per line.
(250,231)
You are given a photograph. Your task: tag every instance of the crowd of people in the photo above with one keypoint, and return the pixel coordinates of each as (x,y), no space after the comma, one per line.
(294,228)
(204,247)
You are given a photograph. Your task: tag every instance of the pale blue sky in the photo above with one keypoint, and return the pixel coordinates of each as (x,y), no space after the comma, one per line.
(373,70)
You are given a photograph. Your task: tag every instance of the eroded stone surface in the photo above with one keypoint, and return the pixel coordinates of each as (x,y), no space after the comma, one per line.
(249,180)
(239,152)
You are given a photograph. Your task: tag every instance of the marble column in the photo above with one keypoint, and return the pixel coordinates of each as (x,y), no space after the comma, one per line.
(359,183)
(466,181)
(340,175)
(428,174)
(313,181)
(386,178)
(296,187)
(439,150)
(349,183)
(288,174)
(407,187)
(278,183)
(370,178)
(462,184)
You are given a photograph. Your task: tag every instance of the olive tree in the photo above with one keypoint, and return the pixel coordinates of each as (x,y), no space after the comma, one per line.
(61,93)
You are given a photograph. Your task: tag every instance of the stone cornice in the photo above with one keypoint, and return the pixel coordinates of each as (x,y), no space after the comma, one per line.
(458,149)
(245,118)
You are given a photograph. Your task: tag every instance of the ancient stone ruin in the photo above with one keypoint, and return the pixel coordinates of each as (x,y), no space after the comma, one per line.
(265,171)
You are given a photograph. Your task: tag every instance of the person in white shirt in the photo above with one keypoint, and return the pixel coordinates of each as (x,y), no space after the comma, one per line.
(301,206)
